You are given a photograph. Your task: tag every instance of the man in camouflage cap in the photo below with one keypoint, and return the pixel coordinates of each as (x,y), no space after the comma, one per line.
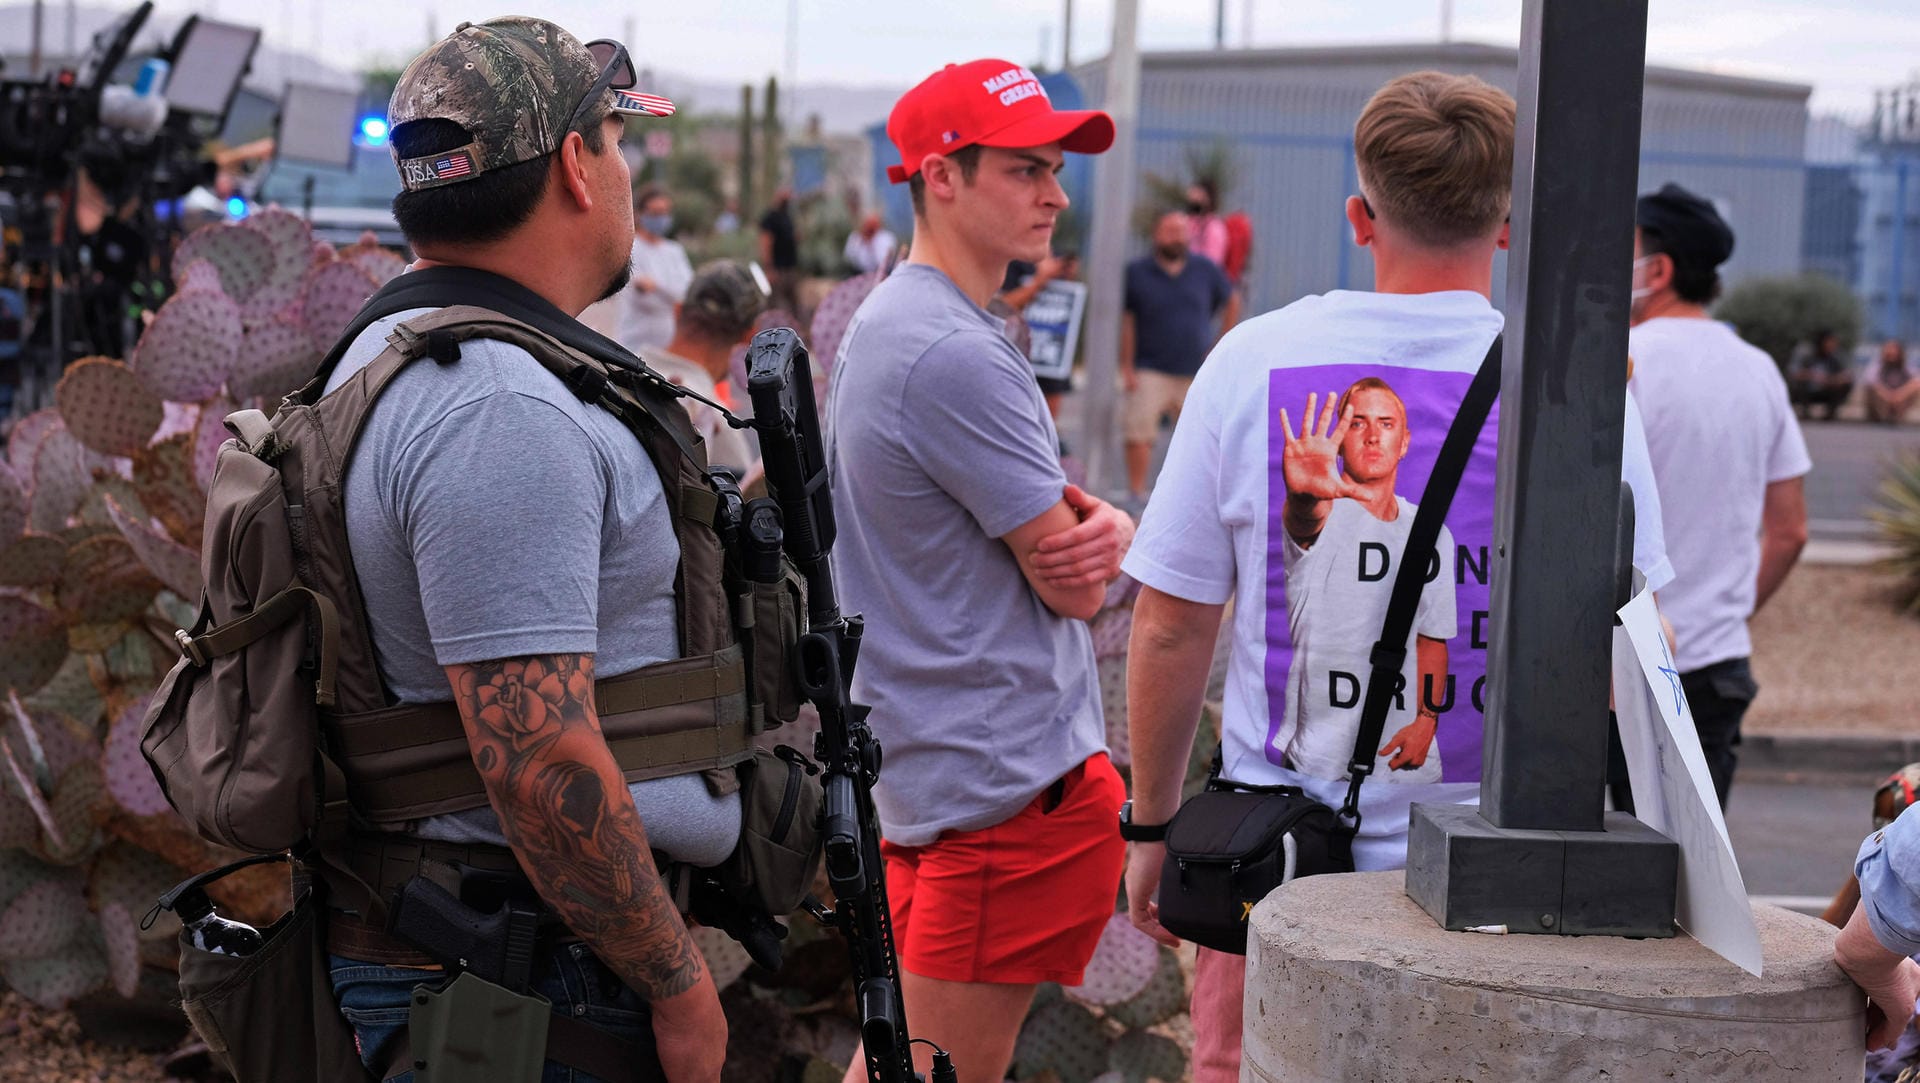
(507,534)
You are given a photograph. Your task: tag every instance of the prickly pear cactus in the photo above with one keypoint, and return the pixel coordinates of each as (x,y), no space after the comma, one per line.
(1062,1038)
(102,500)
(1122,965)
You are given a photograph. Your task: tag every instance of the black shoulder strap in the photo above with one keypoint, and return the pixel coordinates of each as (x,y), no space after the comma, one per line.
(446,287)
(1390,653)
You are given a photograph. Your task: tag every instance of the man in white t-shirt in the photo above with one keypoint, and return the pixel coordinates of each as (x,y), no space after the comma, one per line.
(1730,473)
(1346,531)
(1435,158)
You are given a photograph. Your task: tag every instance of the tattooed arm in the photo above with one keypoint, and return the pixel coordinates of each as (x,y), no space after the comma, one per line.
(535,738)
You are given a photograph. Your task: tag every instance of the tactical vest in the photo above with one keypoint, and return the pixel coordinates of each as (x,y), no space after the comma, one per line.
(273,731)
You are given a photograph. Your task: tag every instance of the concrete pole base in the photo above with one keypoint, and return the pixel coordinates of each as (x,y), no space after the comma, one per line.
(1348,979)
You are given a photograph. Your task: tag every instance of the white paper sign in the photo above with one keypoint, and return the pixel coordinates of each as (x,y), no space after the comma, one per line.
(1672,791)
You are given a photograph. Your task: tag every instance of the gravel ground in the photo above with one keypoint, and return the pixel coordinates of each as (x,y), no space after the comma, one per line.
(46,1047)
(1832,654)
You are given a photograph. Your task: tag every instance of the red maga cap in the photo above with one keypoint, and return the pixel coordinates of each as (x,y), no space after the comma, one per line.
(989,103)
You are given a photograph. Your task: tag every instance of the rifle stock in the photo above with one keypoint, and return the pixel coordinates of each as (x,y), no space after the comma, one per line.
(780,385)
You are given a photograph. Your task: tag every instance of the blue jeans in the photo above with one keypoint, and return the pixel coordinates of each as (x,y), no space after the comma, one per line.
(376,999)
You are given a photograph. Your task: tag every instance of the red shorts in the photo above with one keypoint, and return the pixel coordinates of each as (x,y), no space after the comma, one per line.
(1021,902)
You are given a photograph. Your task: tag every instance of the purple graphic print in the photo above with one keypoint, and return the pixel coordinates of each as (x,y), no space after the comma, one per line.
(1431,399)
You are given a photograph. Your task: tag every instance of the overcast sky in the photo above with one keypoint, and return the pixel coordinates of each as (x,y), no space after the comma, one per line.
(1844,48)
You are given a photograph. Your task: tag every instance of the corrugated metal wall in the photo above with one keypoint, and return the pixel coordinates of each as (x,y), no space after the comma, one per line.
(1288,115)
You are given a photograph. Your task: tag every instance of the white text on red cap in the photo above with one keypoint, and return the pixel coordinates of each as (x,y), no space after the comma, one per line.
(1014,84)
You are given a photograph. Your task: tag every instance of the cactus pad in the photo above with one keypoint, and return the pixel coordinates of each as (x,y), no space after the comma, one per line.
(199,274)
(62,473)
(1141,1055)
(104,582)
(383,265)
(71,692)
(120,942)
(726,959)
(25,437)
(129,876)
(18,828)
(13,506)
(163,476)
(1113,698)
(334,293)
(276,356)
(130,781)
(292,243)
(106,407)
(1065,1039)
(1121,967)
(191,345)
(33,644)
(33,561)
(1111,628)
(174,565)
(77,805)
(1163,998)
(209,432)
(244,257)
(53,981)
(42,919)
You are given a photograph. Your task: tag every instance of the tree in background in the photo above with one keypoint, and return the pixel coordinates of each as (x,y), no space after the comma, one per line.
(1778,313)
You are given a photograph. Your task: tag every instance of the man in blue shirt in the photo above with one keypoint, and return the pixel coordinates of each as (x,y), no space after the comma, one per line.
(1172,297)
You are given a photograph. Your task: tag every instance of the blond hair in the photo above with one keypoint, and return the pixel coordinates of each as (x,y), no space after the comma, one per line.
(1435,153)
(1372,383)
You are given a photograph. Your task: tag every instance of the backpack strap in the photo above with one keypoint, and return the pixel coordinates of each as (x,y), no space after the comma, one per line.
(269,615)
(1390,652)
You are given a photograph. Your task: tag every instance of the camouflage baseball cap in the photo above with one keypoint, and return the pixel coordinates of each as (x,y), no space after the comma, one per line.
(724,296)
(512,83)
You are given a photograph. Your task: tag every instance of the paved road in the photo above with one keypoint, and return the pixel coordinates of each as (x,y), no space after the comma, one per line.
(1848,459)
(1797,838)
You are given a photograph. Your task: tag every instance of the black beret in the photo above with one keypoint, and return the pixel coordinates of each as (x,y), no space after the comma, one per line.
(1690,230)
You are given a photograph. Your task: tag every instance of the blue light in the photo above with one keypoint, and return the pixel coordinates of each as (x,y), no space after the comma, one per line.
(236,207)
(373,131)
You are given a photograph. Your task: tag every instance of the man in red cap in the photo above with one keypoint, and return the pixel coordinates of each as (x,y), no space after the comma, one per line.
(977,567)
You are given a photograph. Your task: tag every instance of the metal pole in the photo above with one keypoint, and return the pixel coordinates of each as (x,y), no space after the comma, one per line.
(1066,37)
(1113,185)
(1219,24)
(1446,21)
(1540,854)
(1576,168)
(1897,271)
(39,25)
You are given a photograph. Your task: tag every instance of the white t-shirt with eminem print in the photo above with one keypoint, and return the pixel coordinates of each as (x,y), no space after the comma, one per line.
(1213,533)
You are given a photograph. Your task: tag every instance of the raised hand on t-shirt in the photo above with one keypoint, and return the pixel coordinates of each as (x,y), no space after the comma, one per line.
(1310,466)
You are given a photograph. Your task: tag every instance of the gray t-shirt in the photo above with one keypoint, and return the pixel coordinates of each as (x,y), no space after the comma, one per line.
(939,443)
(492,514)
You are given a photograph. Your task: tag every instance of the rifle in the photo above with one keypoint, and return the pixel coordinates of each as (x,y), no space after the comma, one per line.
(800,514)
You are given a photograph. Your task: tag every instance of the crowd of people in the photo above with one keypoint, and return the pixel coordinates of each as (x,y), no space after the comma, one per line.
(517,543)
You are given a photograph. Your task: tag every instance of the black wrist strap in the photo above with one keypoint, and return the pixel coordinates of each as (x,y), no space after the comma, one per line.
(1390,653)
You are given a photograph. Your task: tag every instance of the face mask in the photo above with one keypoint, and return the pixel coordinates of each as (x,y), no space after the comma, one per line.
(656,224)
(1196,208)
(1641,293)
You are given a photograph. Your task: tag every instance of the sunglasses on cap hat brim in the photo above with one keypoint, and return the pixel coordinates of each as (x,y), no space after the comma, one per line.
(617,75)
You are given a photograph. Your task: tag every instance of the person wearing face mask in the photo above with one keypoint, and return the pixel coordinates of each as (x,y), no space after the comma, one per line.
(1727,455)
(661,273)
(1172,297)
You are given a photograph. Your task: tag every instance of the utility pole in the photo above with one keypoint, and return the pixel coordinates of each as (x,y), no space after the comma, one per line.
(1539,855)
(747,204)
(1113,185)
(1066,38)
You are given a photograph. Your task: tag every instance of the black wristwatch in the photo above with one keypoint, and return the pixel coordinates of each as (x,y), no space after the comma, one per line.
(1133,832)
